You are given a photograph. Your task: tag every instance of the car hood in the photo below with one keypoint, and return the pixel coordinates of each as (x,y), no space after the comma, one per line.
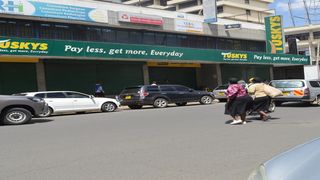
(301,162)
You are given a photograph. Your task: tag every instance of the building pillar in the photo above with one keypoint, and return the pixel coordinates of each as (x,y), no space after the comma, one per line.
(41,77)
(219,74)
(145,71)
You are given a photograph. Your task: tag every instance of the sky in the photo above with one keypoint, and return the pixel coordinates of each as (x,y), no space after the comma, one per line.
(298,11)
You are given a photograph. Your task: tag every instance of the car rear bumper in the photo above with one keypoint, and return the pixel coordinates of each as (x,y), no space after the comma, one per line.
(293,99)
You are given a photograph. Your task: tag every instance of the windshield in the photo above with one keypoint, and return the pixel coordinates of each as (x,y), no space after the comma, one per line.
(287,84)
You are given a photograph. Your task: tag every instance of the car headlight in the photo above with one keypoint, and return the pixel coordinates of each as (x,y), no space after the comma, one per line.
(258,174)
(35,99)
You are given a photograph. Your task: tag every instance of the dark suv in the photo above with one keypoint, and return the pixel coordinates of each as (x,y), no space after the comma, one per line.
(161,95)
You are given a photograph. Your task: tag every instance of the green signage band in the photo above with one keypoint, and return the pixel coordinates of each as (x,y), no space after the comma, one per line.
(274,35)
(111,51)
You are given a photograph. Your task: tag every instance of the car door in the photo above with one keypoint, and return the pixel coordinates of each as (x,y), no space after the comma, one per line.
(188,93)
(82,101)
(170,93)
(182,93)
(58,101)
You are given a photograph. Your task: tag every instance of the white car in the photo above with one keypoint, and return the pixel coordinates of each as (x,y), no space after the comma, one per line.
(70,102)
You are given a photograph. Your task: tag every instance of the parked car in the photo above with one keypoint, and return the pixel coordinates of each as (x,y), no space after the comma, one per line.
(16,110)
(71,101)
(299,163)
(161,95)
(297,90)
(220,92)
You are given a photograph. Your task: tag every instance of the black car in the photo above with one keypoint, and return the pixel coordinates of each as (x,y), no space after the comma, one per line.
(161,95)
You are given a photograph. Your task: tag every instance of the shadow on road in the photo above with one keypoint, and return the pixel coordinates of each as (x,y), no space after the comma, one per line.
(298,104)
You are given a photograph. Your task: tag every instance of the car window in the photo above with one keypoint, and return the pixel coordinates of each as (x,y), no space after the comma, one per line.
(152,88)
(55,95)
(223,87)
(76,95)
(40,95)
(287,84)
(167,88)
(315,83)
(182,88)
(131,90)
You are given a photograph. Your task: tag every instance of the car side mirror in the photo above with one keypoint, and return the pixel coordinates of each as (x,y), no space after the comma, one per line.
(191,90)
(91,96)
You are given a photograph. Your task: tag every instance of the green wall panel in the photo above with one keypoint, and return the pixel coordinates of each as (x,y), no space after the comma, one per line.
(83,75)
(183,76)
(17,77)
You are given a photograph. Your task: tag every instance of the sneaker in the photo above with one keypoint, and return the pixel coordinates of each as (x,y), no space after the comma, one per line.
(236,122)
(244,122)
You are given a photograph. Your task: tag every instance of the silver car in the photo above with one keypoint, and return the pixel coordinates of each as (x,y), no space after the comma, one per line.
(220,92)
(297,90)
(299,163)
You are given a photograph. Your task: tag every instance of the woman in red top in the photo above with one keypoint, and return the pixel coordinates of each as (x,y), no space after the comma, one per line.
(238,101)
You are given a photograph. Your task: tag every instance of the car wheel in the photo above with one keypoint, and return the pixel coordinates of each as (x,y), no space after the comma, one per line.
(272,106)
(181,104)
(16,116)
(206,100)
(160,103)
(135,106)
(47,113)
(108,107)
(317,101)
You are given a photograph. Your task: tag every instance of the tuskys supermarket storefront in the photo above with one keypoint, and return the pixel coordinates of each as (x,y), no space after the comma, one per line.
(33,64)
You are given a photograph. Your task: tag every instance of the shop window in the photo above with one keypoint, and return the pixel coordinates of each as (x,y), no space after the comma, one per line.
(63,31)
(79,33)
(183,40)
(47,31)
(26,29)
(109,35)
(316,35)
(135,37)
(94,34)
(148,38)
(122,36)
(211,43)
(237,45)
(247,1)
(220,9)
(171,40)
(225,44)
(8,28)
(160,39)
(248,12)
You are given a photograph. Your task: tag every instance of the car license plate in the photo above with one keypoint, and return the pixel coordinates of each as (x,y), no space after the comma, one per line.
(221,93)
(127,97)
(285,93)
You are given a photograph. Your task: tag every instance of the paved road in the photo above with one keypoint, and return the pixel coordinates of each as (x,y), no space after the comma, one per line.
(178,143)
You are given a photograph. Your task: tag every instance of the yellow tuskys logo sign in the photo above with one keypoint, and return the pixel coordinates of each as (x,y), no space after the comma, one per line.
(8,44)
(274,34)
(234,56)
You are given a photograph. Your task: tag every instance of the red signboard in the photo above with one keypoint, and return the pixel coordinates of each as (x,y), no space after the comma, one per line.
(140,18)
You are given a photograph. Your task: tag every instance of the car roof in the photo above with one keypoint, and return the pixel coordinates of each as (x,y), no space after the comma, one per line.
(37,92)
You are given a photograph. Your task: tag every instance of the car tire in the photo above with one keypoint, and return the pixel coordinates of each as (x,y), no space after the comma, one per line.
(317,101)
(46,114)
(108,107)
(272,106)
(135,106)
(160,103)
(206,100)
(16,116)
(181,104)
